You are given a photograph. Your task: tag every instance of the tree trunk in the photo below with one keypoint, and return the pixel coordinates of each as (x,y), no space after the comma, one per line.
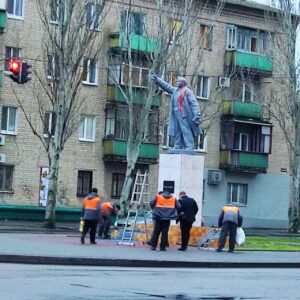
(133,150)
(52,191)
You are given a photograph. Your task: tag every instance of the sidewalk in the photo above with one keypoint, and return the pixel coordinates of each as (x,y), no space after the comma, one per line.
(65,249)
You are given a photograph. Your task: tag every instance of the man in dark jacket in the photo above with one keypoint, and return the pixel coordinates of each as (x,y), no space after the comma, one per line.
(230,218)
(189,209)
(165,208)
(90,213)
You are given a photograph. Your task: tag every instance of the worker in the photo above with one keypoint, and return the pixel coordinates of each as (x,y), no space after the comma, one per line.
(90,213)
(107,210)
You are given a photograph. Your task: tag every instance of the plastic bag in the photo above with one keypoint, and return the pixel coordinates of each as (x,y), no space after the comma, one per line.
(240,236)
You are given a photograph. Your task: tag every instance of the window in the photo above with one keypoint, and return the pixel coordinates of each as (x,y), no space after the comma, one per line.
(50,122)
(110,123)
(241,141)
(9,120)
(55,9)
(139,76)
(87,128)
(246,39)
(200,142)
(117,184)
(237,193)
(247,92)
(6,178)
(174,27)
(9,53)
(135,21)
(53,66)
(15,9)
(206,35)
(203,87)
(90,72)
(266,139)
(84,183)
(93,12)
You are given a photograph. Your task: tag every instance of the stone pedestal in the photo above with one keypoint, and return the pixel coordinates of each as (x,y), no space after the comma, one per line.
(186,173)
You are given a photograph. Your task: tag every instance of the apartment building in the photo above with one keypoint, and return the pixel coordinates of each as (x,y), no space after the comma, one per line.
(244,149)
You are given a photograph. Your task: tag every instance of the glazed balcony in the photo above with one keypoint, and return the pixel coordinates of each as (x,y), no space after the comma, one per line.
(139,96)
(253,62)
(115,150)
(138,42)
(243,162)
(242,109)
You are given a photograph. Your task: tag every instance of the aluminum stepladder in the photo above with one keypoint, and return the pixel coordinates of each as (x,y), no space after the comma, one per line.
(212,235)
(138,200)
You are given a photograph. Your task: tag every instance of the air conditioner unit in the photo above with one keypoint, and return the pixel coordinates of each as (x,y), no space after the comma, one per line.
(2,158)
(2,139)
(224,82)
(214,177)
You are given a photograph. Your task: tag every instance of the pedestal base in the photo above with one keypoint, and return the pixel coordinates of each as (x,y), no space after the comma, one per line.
(183,172)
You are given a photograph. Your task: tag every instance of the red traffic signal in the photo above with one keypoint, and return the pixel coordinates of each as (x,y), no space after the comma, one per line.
(15,65)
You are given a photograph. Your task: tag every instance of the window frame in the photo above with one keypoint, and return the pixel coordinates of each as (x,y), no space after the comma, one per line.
(202,77)
(140,83)
(206,36)
(54,66)
(82,194)
(56,21)
(14,16)
(94,6)
(203,136)
(86,66)
(230,186)
(118,181)
(84,139)
(49,125)
(131,15)
(7,132)
(11,190)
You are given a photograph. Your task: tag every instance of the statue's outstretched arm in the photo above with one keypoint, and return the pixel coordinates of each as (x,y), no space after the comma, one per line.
(162,84)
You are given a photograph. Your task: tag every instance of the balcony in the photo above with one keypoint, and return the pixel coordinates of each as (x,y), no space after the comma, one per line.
(115,150)
(237,161)
(139,96)
(242,109)
(2,20)
(253,62)
(138,42)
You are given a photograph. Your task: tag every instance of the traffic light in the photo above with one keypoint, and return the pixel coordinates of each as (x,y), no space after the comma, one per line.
(15,67)
(25,71)
(18,70)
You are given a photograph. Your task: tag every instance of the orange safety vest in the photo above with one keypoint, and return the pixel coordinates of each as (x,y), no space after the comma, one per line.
(105,206)
(230,209)
(163,202)
(91,204)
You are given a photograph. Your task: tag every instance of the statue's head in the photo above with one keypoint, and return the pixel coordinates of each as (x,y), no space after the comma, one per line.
(181,82)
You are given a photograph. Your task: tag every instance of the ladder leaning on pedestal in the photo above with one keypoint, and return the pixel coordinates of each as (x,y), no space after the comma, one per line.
(138,199)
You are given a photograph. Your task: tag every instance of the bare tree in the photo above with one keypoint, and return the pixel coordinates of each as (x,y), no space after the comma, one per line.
(172,29)
(284,102)
(70,45)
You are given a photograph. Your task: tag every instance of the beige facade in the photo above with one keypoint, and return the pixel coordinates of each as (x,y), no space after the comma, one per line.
(24,151)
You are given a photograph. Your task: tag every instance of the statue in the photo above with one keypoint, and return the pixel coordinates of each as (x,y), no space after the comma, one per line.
(184,115)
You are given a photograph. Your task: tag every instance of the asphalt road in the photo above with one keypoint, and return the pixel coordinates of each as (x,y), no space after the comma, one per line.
(34,282)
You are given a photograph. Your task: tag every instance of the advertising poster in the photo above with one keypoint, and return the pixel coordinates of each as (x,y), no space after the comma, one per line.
(44,183)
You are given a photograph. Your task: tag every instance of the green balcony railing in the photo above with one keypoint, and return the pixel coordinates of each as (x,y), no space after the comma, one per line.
(246,60)
(138,42)
(114,147)
(139,96)
(239,161)
(242,109)
(2,20)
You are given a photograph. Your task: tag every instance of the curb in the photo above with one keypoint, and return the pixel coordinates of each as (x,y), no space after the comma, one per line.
(78,261)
